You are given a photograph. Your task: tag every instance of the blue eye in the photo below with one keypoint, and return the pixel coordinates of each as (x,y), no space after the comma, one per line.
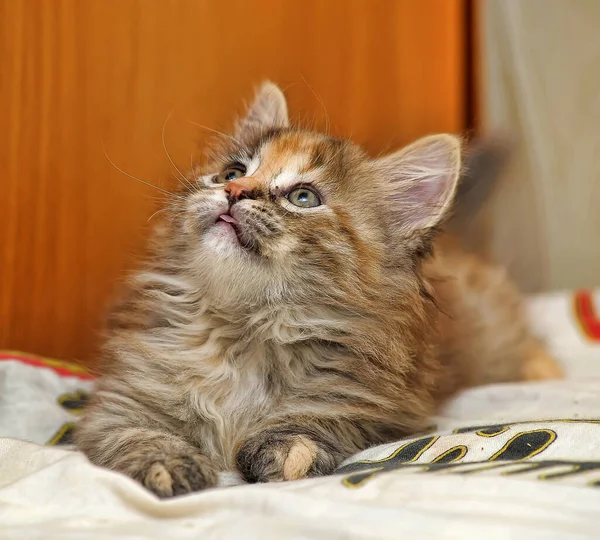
(303,198)
(234,171)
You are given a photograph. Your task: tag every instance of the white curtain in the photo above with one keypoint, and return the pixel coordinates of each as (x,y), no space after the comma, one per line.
(541,83)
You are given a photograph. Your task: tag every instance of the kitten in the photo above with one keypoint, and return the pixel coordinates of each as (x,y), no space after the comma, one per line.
(291,313)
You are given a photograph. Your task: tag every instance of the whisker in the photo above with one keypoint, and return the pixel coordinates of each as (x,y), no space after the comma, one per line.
(327,120)
(156,213)
(161,200)
(187,185)
(194,171)
(185,182)
(136,178)
(220,133)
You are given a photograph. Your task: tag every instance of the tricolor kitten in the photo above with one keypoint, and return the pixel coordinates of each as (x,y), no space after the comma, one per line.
(298,305)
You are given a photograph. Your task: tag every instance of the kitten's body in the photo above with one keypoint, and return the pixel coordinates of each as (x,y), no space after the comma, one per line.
(283,345)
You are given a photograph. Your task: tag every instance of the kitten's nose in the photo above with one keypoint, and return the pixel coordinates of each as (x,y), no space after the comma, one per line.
(245,186)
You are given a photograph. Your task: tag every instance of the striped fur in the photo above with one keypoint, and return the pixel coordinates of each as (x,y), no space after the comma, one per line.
(286,343)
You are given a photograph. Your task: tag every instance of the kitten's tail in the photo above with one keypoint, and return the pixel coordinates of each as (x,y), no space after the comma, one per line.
(485,161)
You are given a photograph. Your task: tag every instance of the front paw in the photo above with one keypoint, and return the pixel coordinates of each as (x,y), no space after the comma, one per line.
(177,474)
(273,456)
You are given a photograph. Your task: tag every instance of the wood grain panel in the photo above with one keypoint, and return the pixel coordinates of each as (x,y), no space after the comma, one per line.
(79,75)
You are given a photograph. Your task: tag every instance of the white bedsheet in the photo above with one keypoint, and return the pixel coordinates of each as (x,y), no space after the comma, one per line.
(527,469)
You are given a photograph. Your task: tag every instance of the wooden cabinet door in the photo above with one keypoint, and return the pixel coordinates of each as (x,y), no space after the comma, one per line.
(83,77)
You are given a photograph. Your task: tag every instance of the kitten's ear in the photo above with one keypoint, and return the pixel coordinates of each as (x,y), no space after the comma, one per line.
(422,181)
(268,110)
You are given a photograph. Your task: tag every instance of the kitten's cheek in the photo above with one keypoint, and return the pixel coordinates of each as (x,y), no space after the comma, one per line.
(201,219)
(203,210)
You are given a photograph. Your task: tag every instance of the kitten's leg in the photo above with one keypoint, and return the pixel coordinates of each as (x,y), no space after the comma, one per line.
(119,434)
(484,331)
(296,449)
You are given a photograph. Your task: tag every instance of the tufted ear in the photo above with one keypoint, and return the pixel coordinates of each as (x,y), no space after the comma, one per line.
(268,110)
(422,181)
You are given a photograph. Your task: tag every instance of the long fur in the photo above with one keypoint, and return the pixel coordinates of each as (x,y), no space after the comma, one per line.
(283,345)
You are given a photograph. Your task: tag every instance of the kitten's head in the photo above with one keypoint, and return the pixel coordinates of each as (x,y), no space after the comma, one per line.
(288,214)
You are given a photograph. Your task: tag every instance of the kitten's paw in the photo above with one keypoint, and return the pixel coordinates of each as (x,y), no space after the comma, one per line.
(178,474)
(540,366)
(273,456)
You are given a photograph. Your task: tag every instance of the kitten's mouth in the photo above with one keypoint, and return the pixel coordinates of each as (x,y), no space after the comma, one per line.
(228,218)
(243,241)
(230,222)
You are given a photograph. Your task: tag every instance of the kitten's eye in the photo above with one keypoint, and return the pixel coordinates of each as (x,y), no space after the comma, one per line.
(232,172)
(304,198)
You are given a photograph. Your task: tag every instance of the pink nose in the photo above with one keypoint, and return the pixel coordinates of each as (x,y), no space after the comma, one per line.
(242,187)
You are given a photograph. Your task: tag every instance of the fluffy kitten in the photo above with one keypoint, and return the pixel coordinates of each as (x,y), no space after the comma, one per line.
(290,313)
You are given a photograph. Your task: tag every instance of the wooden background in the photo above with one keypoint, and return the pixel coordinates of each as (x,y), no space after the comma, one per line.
(78,75)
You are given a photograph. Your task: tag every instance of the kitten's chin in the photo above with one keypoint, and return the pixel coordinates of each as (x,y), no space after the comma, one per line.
(226,232)
(223,238)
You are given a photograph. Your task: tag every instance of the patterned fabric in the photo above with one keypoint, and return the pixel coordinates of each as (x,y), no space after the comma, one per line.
(561,451)
(40,398)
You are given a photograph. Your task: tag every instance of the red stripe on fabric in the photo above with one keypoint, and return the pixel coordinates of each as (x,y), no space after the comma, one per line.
(586,315)
(38,362)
